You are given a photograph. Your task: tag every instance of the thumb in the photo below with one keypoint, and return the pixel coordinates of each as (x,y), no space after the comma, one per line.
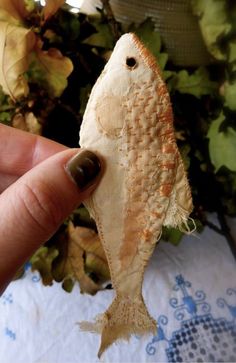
(33,208)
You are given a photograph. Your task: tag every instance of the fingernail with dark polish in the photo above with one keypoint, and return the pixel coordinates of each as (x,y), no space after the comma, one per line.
(83,168)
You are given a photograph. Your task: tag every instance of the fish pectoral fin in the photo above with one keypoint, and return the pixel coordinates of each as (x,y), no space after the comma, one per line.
(123,318)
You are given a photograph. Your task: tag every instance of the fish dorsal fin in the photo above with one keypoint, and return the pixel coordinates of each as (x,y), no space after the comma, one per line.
(180,204)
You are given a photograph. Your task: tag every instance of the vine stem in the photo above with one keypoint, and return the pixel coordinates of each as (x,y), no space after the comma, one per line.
(111,19)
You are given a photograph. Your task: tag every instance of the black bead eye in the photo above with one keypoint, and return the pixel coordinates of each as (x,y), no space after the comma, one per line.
(131,62)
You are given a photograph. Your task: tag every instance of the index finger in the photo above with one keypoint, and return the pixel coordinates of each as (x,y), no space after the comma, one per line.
(20,151)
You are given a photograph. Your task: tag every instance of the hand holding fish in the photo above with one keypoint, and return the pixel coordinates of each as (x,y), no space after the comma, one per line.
(38,191)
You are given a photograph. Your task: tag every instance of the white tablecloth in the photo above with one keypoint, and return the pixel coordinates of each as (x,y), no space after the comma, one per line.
(190,290)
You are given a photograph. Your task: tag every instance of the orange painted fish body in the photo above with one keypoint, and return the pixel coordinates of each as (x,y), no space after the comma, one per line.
(128,122)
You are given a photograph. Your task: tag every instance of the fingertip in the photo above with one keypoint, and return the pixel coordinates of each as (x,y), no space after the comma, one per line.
(84,169)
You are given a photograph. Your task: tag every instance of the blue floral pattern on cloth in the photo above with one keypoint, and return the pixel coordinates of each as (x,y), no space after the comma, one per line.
(200,337)
(7,299)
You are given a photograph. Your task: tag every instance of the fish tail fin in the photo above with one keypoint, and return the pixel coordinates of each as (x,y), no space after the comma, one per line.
(180,205)
(123,318)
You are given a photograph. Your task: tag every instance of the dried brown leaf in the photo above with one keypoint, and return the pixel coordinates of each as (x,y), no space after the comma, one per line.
(51,68)
(27,122)
(90,242)
(97,266)
(95,258)
(75,261)
(16,43)
(18,122)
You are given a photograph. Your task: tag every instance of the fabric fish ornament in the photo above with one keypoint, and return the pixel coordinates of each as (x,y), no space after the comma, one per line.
(128,123)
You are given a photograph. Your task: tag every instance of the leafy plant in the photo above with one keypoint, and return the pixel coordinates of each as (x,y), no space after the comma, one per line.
(46,79)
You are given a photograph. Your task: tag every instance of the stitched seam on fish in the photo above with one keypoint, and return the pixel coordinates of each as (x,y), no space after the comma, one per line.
(139,121)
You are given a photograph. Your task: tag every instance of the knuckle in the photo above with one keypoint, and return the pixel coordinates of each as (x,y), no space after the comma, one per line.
(41,205)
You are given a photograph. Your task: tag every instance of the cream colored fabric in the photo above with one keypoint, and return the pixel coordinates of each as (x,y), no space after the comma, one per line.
(128,122)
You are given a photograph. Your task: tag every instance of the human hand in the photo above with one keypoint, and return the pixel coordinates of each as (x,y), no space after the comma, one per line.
(41,183)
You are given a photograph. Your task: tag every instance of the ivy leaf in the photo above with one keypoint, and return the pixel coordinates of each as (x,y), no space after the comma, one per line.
(7,108)
(42,262)
(68,284)
(222,145)
(50,69)
(29,5)
(16,43)
(196,84)
(162,60)
(232,52)
(103,37)
(172,235)
(151,38)
(214,24)
(5,118)
(230,95)
(51,8)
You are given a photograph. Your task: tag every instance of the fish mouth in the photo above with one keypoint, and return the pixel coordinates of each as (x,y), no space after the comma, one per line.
(146,55)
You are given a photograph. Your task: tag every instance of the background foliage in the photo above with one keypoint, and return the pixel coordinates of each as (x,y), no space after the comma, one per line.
(50,59)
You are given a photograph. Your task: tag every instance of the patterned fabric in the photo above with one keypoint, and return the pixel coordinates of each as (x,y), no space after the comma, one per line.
(190,290)
(201,337)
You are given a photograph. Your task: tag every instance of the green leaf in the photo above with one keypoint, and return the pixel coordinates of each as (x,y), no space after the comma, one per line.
(42,262)
(196,84)
(232,52)
(222,145)
(103,38)
(29,5)
(151,38)
(214,23)
(5,117)
(7,109)
(172,235)
(74,28)
(230,95)
(68,284)
(162,60)
(167,75)
(50,69)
